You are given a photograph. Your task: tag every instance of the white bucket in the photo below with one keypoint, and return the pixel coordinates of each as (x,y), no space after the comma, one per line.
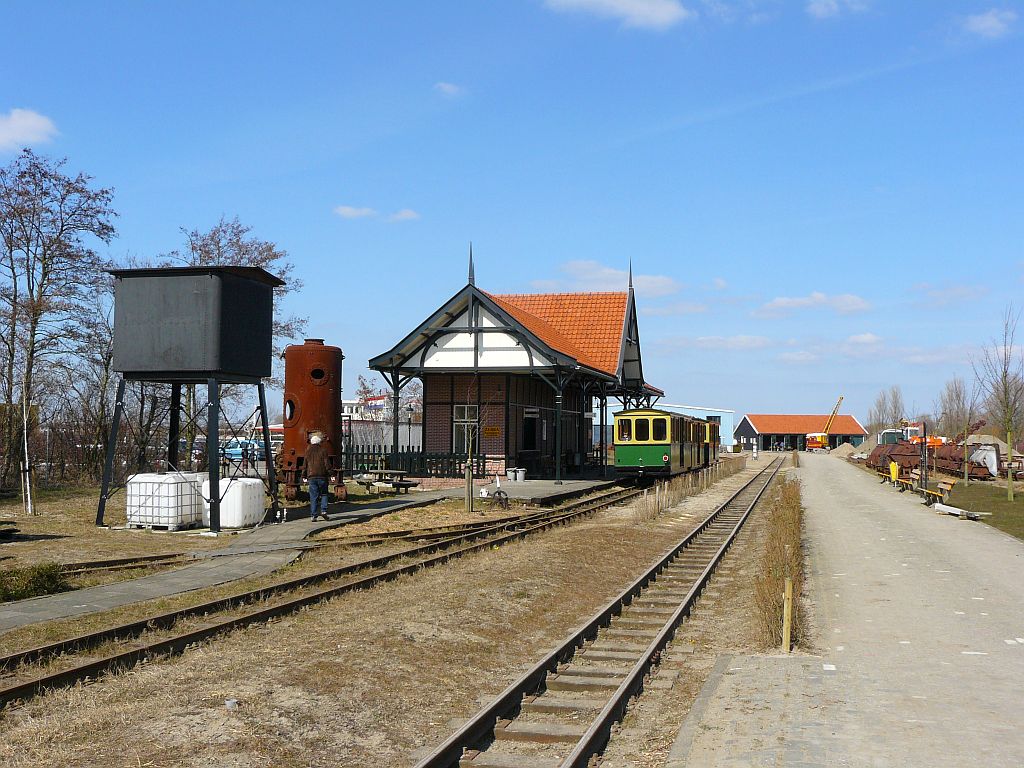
(510,473)
(520,475)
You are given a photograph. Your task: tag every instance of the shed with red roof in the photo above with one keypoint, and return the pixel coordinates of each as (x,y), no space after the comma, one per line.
(788,431)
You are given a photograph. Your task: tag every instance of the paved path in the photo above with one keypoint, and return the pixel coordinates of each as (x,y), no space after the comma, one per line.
(258,551)
(921,619)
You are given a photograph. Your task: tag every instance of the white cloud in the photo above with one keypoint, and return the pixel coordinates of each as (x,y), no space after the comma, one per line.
(993,23)
(24,127)
(719,284)
(406,214)
(450,90)
(718,342)
(589,275)
(677,308)
(646,14)
(827,9)
(864,339)
(948,295)
(843,304)
(352,212)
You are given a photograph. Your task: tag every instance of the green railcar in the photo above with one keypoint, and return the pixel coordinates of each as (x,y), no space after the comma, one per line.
(651,442)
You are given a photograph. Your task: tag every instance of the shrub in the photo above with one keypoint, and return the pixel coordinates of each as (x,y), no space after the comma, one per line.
(32,581)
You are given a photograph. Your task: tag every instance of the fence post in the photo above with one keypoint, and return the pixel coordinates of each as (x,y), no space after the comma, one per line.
(787,616)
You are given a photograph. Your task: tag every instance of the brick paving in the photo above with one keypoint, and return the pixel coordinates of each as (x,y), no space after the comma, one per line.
(921,624)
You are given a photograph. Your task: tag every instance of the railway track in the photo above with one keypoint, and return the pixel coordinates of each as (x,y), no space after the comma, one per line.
(155,635)
(561,712)
(426,533)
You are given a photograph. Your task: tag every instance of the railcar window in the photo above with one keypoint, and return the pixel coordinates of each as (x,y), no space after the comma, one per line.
(625,430)
(660,429)
(643,429)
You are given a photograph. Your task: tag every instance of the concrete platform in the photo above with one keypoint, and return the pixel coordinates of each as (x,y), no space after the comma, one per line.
(920,627)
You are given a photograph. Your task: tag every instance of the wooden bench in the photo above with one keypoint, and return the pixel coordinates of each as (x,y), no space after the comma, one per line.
(945,487)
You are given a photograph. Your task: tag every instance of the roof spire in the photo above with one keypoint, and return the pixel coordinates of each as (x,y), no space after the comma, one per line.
(631,275)
(472,276)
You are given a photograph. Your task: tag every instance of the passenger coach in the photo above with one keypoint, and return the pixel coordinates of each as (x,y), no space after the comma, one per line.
(653,442)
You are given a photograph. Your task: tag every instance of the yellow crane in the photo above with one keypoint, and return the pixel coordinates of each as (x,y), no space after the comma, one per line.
(818,441)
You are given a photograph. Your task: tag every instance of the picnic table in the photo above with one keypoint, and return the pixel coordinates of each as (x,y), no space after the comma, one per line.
(377,479)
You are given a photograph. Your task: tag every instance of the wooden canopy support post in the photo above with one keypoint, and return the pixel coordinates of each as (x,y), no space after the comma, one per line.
(604,429)
(396,396)
(558,433)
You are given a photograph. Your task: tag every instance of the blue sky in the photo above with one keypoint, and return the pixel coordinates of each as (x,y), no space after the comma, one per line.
(818,198)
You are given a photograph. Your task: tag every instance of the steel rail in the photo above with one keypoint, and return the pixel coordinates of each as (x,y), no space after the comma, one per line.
(597,735)
(482,725)
(127,657)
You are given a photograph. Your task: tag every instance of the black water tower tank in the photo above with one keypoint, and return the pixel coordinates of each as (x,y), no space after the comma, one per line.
(190,324)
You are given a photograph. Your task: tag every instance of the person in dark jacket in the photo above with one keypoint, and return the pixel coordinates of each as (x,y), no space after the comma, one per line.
(317,468)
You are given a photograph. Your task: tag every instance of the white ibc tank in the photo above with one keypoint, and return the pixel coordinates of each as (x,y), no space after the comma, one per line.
(241,502)
(164,500)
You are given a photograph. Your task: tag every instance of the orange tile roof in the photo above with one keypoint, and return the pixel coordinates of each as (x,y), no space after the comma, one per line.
(803,424)
(587,326)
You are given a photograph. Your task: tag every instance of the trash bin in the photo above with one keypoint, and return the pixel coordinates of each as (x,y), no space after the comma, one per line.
(520,474)
(510,473)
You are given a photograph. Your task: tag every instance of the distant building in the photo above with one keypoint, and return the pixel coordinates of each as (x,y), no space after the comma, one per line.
(513,378)
(789,431)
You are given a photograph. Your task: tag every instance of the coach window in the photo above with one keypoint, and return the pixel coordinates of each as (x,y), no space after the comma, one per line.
(643,430)
(660,429)
(625,430)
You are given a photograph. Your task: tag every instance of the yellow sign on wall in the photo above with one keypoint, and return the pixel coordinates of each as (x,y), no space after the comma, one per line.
(492,431)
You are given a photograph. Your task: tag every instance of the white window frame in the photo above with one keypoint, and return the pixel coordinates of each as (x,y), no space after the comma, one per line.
(464,419)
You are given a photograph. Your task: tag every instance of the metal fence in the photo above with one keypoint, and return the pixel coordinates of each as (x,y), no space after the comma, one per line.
(416,463)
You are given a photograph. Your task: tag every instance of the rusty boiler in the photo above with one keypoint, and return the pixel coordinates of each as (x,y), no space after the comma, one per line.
(312,403)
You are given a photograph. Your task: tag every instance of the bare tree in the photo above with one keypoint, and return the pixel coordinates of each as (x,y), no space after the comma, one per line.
(47,220)
(897,410)
(957,406)
(999,370)
(879,412)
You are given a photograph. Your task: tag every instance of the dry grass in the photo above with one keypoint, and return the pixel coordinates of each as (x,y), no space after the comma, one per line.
(363,680)
(781,558)
(663,496)
(64,530)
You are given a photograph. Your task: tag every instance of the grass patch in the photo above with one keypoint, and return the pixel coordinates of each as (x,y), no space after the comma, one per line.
(32,581)
(983,497)
(782,557)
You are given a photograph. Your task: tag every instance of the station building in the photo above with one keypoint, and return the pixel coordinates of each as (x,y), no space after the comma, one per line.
(511,379)
(789,431)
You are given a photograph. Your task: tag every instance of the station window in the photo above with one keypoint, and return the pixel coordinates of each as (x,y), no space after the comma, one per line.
(625,430)
(464,423)
(660,429)
(643,430)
